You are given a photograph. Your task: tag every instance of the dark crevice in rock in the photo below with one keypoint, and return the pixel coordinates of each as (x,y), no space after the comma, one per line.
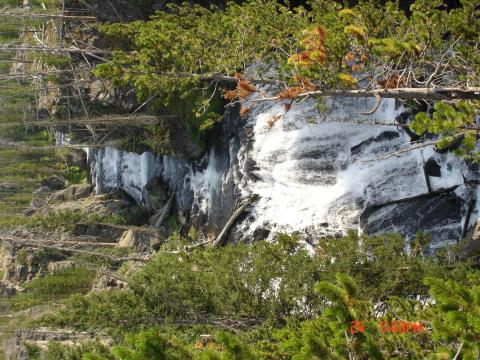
(421,196)
(384,136)
(432,168)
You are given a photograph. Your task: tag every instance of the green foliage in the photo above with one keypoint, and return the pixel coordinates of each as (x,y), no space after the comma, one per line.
(333,333)
(22,257)
(90,350)
(457,312)
(54,60)
(148,345)
(75,175)
(191,39)
(136,143)
(393,48)
(53,287)
(452,124)
(293,305)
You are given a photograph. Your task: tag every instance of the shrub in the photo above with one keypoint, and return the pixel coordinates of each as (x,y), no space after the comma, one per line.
(75,175)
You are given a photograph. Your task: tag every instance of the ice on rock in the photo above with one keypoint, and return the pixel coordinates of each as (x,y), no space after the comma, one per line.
(317,173)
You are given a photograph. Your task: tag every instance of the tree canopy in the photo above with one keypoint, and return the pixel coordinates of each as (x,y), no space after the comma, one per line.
(323,49)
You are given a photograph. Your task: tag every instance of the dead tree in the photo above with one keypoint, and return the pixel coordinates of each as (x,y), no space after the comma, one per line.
(14,13)
(53,50)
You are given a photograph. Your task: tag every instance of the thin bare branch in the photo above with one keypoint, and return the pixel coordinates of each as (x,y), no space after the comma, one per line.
(404,151)
(378,99)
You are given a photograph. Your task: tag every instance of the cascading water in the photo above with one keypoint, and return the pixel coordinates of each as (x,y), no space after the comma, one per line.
(314,173)
(324,175)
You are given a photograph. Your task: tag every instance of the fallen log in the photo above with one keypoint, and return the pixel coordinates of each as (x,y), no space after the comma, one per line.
(165,211)
(37,244)
(219,240)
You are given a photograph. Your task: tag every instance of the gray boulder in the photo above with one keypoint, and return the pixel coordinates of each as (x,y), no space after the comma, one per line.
(471,244)
(54,182)
(108,207)
(73,192)
(37,203)
(108,282)
(83,191)
(9,187)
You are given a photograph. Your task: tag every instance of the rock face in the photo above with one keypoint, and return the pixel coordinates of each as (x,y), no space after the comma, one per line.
(16,348)
(20,264)
(104,93)
(42,190)
(36,205)
(141,239)
(313,173)
(73,192)
(110,207)
(107,282)
(155,195)
(178,139)
(108,233)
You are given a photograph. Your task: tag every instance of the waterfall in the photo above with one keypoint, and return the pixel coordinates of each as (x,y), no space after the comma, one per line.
(324,174)
(319,173)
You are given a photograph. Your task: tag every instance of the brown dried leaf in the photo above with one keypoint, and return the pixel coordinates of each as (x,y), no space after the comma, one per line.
(244,111)
(392,83)
(291,92)
(320,31)
(245,85)
(244,88)
(350,56)
(230,95)
(272,120)
(238,76)
(308,85)
(199,345)
(357,67)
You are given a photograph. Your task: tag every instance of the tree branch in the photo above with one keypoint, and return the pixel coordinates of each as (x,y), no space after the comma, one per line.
(439,93)
(403,151)
(219,240)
